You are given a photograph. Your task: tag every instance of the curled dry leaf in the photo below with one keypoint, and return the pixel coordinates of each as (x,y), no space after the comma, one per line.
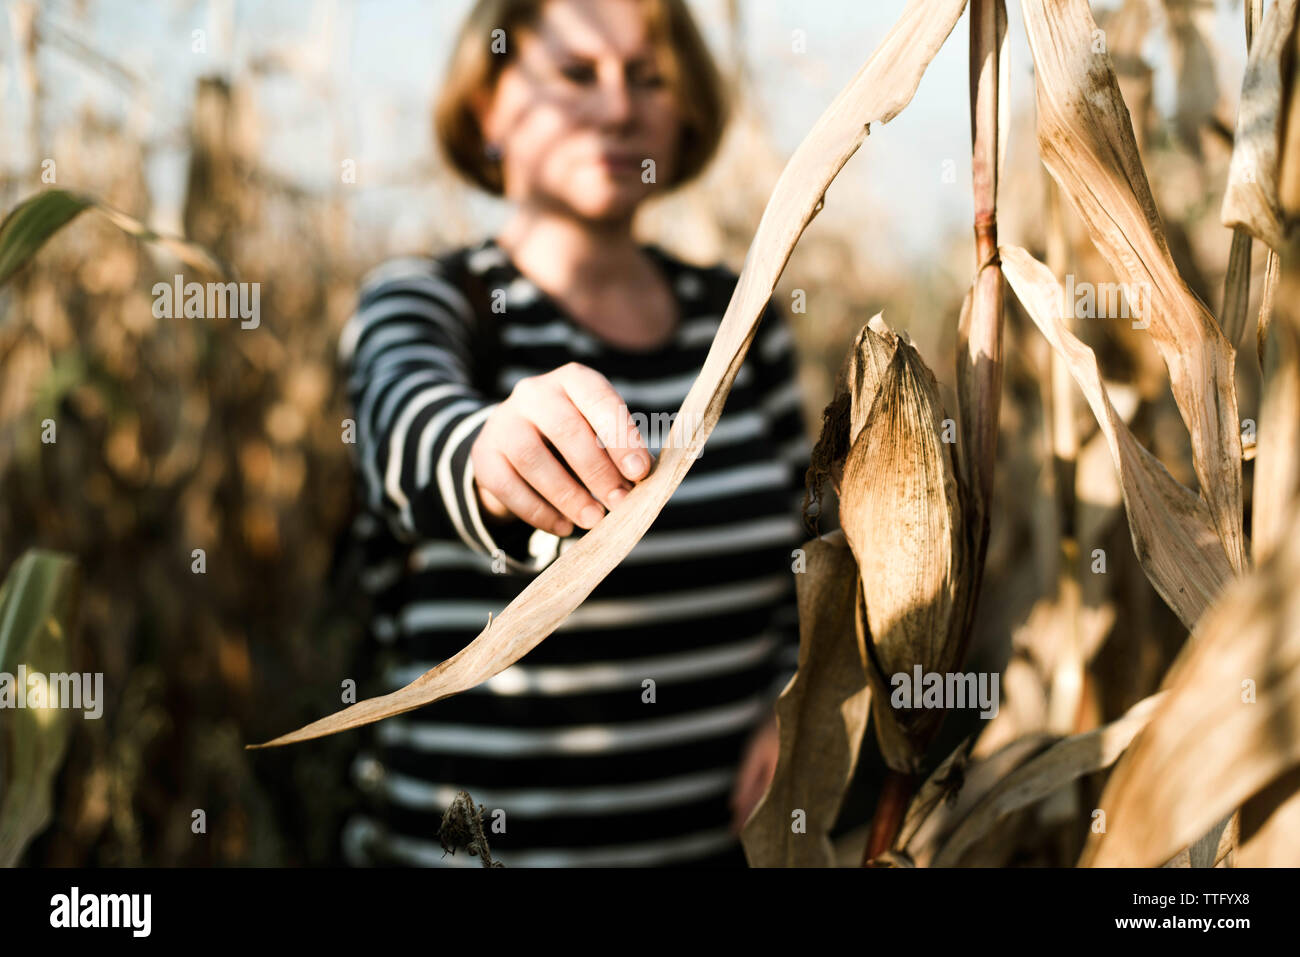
(1250,201)
(1205,851)
(1270,825)
(1086,140)
(955,788)
(879,91)
(1226,729)
(1044,774)
(901,508)
(1173,533)
(821,717)
(1236,288)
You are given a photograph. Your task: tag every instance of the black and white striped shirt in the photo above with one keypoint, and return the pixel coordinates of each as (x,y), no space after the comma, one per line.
(573,763)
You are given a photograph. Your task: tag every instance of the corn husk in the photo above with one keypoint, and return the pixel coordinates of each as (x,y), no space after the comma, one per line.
(901,509)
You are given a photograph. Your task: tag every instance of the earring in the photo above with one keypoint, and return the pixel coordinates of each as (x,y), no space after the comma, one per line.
(492,152)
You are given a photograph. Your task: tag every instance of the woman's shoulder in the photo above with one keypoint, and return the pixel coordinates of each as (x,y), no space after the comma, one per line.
(447,275)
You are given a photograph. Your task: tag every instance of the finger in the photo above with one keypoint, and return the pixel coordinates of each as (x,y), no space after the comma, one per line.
(498,477)
(558,419)
(604,409)
(539,467)
(490,503)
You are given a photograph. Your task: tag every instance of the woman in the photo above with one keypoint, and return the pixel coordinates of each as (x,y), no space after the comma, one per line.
(642,731)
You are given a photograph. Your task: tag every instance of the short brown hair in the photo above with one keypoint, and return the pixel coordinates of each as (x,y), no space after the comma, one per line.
(690,73)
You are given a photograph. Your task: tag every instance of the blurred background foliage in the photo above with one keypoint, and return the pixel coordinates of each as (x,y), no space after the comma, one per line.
(183,434)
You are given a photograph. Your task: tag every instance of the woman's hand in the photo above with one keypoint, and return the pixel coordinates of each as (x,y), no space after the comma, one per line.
(755,774)
(575,412)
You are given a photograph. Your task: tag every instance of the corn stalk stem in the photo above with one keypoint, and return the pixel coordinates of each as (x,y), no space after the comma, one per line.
(982,340)
(891,807)
(979,334)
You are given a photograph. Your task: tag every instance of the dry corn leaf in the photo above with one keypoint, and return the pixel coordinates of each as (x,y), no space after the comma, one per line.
(1236,284)
(1236,288)
(1226,728)
(1173,533)
(1250,201)
(1205,851)
(1277,449)
(942,785)
(879,91)
(1229,841)
(1277,465)
(901,510)
(1272,272)
(1086,140)
(954,789)
(1044,774)
(1272,841)
(822,718)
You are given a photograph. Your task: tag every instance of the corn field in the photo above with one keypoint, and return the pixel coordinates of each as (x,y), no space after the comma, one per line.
(1062,483)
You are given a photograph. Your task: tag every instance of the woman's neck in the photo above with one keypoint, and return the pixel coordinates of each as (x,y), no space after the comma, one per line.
(565,254)
(598,274)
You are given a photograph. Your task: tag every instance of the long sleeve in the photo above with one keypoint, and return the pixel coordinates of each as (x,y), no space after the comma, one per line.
(407,352)
(774,354)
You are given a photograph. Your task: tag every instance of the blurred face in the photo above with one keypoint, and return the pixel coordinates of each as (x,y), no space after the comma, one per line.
(580,108)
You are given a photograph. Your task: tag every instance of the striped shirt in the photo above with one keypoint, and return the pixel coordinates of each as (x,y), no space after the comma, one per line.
(617,740)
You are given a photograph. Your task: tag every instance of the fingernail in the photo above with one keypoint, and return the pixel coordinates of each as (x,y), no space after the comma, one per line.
(617,495)
(635,465)
(591,515)
(566,529)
